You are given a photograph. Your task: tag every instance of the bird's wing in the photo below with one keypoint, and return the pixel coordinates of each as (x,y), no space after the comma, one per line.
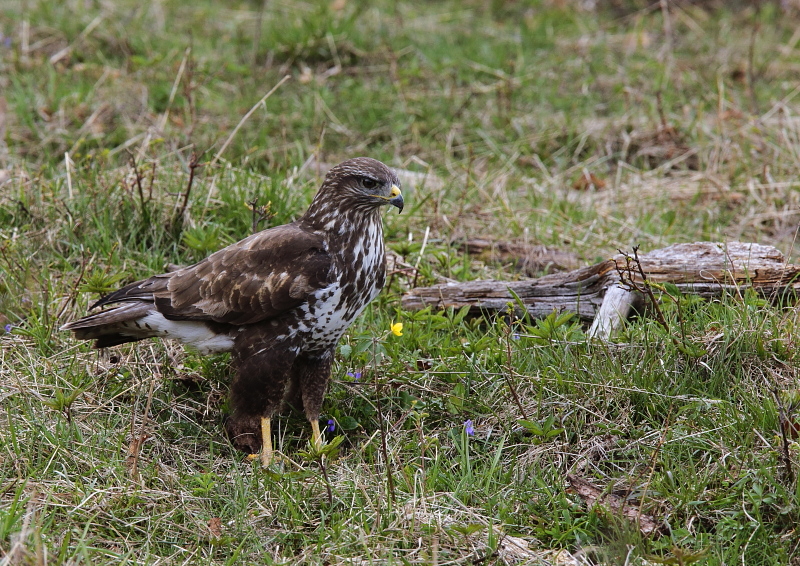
(261,277)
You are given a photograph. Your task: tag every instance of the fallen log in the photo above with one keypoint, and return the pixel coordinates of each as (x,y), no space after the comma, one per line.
(707,269)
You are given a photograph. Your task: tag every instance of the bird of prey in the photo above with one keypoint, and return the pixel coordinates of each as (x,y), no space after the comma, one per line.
(278,300)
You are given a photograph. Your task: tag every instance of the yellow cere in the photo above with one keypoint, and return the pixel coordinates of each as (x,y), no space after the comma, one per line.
(393,193)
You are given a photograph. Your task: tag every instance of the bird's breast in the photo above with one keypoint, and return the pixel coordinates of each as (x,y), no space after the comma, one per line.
(357,279)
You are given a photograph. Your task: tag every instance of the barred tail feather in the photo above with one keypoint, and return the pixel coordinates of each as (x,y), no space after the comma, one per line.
(114,326)
(136,320)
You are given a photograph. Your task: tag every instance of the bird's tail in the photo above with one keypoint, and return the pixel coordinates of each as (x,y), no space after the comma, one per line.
(114,326)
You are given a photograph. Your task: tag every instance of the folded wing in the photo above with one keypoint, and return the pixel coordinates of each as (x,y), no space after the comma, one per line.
(260,277)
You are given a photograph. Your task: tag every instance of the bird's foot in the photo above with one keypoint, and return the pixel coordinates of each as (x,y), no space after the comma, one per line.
(316,436)
(266,442)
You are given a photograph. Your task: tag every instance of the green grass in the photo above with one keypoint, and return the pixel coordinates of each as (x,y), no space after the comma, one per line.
(507,105)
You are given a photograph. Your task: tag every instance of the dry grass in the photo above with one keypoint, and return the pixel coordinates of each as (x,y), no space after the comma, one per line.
(685,122)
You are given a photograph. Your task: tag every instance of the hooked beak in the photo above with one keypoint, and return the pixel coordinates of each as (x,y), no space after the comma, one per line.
(396,198)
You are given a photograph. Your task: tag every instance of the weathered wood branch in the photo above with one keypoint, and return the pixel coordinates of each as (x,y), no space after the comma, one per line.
(579,291)
(703,268)
(618,303)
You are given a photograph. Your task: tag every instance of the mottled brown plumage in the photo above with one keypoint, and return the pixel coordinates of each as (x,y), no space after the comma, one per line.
(278,300)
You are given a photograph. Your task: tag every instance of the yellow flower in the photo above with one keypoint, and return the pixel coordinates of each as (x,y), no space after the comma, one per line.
(397,328)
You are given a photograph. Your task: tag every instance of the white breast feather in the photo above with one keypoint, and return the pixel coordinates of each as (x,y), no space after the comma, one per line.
(328,318)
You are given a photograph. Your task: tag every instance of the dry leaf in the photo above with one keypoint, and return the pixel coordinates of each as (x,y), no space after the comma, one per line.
(215,527)
(586,182)
(132,461)
(594,496)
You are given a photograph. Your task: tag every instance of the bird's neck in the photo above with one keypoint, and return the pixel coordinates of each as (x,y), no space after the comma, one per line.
(337,220)
(354,235)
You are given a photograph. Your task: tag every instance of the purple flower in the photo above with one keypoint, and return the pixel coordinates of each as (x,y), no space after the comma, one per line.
(468,428)
(7,328)
(516,336)
(356,375)
(331,425)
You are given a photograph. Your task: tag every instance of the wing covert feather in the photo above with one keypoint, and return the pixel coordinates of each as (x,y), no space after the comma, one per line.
(258,278)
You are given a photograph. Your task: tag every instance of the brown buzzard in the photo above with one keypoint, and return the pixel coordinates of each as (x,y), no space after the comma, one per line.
(278,300)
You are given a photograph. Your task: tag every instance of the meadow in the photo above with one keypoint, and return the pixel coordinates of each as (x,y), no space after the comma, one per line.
(136,136)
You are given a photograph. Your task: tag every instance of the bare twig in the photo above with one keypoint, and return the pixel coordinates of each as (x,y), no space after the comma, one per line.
(509,369)
(194,163)
(74,293)
(152,180)
(188,92)
(138,440)
(649,290)
(321,462)
(138,177)
(260,213)
(660,107)
(483,559)
(381,424)
(783,422)
(645,287)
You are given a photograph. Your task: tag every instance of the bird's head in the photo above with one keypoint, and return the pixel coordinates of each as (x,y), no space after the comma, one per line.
(364,183)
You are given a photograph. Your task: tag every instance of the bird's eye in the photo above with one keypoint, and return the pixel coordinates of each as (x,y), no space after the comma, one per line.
(369,183)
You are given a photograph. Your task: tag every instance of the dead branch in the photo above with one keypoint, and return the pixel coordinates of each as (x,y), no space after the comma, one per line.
(707,269)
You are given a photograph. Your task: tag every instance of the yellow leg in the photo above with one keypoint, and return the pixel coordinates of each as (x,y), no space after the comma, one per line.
(266,442)
(315,434)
